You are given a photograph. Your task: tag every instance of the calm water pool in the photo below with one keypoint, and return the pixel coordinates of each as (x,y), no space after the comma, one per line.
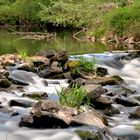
(10,43)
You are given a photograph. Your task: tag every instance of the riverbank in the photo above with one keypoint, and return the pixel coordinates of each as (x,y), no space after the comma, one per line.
(106,21)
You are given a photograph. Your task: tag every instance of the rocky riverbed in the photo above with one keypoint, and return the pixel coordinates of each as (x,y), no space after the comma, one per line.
(29,103)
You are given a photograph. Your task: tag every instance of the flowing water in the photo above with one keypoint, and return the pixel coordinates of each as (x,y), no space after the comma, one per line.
(128,70)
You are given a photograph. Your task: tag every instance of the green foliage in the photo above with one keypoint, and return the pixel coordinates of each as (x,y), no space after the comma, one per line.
(23,52)
(85,65)
(100,15)
(73,97)
(122,18)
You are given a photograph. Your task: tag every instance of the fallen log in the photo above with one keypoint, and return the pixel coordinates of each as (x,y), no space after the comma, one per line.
(35,35)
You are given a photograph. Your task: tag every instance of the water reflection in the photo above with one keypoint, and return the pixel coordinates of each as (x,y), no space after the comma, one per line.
(10,43)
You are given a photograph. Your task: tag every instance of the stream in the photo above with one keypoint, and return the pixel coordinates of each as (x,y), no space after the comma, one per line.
(119,124)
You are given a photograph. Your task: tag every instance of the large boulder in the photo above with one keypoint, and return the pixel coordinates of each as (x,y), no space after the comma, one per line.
(49,114)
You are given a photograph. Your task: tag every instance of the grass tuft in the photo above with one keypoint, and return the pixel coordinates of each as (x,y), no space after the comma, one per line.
(23,52)
(73,97)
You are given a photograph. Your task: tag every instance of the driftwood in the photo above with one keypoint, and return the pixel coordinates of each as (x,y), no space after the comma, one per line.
(90,38)
(35,35)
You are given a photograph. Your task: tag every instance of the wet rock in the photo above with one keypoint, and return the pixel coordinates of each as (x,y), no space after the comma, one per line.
(102,80)
(137,97)
(62,57)
(48,54)
(4,82)
(21,77)
(87,135)
(51,71)
(102,102)
(25,66)
(21,103)
(39,60)
(111,111)
(36,95)
(134,54)
(78,81)
(9,59)
(46,120)
(94,90)
(49,114)
(116,90)
(4,72)
(90,118)
(100,71)
(55,64)
(127,102)
(118,79)
(67,75)
(136,113)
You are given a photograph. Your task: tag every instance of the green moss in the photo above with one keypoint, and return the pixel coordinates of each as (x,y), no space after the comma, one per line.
(137,127)
(87,135)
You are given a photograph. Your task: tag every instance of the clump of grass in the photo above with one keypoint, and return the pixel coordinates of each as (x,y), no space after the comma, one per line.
(86,65)
(73,97)
(23,52)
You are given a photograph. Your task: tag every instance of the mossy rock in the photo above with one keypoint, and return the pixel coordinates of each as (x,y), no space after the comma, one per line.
(87,135)
(73,64)
(37,96)
(135,114)
(4,83)
(137,127)
(104,119)
(118,79)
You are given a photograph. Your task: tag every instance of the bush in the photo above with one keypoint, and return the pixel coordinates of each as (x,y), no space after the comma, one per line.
(121,19)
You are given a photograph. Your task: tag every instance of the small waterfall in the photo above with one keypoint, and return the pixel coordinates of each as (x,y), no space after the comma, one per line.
(36,84)
(51,87)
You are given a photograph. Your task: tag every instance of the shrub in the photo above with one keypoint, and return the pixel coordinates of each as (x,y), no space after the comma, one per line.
(122,18)
(73,97)
(84,65)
